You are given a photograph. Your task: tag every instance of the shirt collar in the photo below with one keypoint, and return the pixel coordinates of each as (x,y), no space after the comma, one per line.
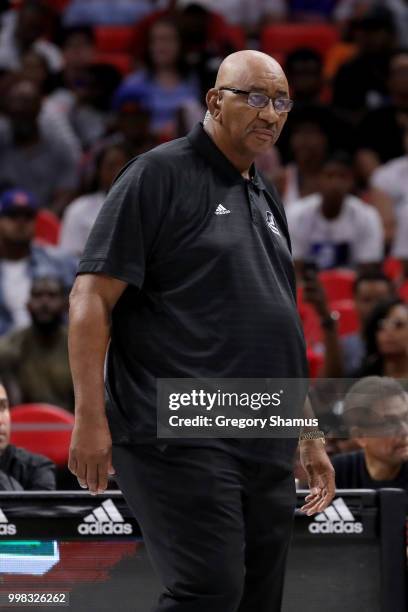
(206,147)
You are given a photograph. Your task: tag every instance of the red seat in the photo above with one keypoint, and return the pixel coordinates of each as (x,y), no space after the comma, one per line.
(237,37)
(44,429)
(286,37)
(47,227)
(348,322)
(338,284)
(122,61)
(311,324)
(392,268)
(315,361)
(114,39)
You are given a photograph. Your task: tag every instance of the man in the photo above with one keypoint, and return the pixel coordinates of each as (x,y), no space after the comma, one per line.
(35,359)
(21,469)
(31,159)
(376,414)
(21,259)
(334,229)
(194,268)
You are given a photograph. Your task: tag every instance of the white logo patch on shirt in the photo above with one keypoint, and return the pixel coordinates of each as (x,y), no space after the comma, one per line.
(271,223)
(221,210)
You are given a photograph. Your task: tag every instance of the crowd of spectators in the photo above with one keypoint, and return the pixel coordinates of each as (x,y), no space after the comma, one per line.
(86,85)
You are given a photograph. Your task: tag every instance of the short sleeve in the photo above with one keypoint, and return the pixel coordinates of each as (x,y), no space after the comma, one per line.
(127,227)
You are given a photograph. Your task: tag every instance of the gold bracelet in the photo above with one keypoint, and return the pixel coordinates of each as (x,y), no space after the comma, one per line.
(313,435)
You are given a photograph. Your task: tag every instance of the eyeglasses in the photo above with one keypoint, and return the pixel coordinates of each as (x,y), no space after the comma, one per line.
(260,100)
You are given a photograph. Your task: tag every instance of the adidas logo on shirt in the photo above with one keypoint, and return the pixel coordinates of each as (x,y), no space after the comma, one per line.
(6,528)
(105,519)
(337,518)
(221,210)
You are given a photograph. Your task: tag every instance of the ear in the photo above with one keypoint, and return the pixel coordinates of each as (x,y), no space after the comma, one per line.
(214,103)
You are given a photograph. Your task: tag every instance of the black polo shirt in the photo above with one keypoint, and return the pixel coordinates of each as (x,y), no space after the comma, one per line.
(211,286)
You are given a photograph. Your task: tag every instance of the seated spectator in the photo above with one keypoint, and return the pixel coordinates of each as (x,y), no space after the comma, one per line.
(87,101)
(344,355)
(106,12)
(21,260)
(309,141)
(54,125)
(304,70)
(332,228)
(386,341)
(376,413)
(20,469)
(380,135)
(27,29)
(31,159)
(80,215)
(165,84)
(133,127)
(399,248)
(362,82)
(34,360)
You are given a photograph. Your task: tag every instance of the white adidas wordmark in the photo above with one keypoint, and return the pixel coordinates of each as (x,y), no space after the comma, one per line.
(337,518)
(6,528)
(105,519)
(221,210)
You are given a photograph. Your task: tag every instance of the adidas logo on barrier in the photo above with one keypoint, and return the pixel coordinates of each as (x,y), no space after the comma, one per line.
(337,518)
(105,520)
(6,528)
(221,210)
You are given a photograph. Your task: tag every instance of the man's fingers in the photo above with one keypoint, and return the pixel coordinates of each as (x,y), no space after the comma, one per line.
(92,477)
(81,474)
(102,477)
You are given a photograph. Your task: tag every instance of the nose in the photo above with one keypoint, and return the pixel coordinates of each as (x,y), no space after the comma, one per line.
(268,113)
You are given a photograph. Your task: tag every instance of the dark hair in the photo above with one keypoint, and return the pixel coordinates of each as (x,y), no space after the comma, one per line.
(359,400)
(302,54)
(380,311)
(181,64)
(372,276)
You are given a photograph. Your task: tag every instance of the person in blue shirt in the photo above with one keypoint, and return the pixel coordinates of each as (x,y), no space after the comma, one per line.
(164,83)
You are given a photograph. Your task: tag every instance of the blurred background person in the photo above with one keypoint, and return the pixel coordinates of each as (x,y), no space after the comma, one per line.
(21,259)
(376,414)
(30,159)
(29,28)
(80,215)
(20,469)
(34,360)
(165,82)
(332,228)
(386,340)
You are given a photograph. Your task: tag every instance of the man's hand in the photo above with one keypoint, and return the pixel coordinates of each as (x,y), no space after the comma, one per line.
(90,455)
(320,475)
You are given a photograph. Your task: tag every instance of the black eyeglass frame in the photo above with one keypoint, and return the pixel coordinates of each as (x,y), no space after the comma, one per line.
(267,98)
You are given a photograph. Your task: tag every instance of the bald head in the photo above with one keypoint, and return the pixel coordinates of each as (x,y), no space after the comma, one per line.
(248,105)
(247,65)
